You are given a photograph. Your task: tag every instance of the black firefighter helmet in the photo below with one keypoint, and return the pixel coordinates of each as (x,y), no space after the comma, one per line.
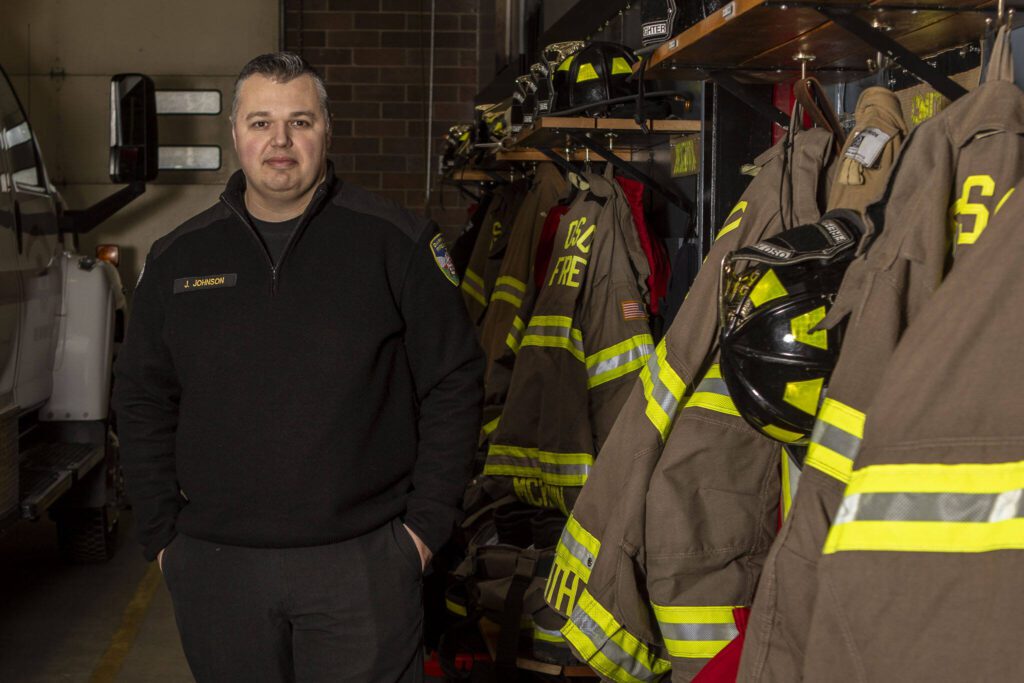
(775,360)
(599,72)
(551,59)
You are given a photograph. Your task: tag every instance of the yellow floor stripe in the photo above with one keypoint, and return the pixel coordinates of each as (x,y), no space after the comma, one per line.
(131,621)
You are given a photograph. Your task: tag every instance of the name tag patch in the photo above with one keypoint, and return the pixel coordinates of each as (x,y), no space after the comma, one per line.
(194,284)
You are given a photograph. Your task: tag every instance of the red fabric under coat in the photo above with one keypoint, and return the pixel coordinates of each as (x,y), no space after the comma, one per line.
(546,243)
(653,246)
(725,666)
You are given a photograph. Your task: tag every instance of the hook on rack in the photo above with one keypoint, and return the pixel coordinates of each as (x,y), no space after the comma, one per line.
(628,169)
(804,58)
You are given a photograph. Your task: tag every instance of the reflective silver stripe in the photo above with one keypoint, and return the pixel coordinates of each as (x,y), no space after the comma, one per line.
(835,439)
(576,549)
(609,648)
(546,467)
(697,632)
(932,507)
(510,292)
(794,475)
(618,361)
(553,331)
(660,392)
(712,385)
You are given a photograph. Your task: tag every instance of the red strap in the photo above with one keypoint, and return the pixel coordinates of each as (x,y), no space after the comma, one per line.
(725,666)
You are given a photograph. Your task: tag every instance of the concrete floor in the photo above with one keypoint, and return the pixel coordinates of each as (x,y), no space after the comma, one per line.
(91,623)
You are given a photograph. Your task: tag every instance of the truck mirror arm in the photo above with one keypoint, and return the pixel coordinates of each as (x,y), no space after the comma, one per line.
(83,220)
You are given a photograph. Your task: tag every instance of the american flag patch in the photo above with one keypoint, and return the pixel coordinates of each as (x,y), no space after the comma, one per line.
(633,310)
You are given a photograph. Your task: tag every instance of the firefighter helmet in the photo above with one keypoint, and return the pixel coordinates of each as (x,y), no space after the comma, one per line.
(524,102)
(458,144)
(597,73)
(775,361)
(552,59)
(541,89)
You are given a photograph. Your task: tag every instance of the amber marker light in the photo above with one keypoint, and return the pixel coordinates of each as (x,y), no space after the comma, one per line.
(110,253)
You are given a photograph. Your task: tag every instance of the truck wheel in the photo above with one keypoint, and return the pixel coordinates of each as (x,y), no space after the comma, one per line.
(83,535)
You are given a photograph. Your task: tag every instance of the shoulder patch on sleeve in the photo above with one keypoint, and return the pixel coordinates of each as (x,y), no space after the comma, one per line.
(443,259)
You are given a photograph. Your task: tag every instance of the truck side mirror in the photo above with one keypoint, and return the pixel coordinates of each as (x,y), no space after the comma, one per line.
(133,139)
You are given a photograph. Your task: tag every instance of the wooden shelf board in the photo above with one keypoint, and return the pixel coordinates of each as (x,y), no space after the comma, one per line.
(670,126)
(468,174)
(759,41)
(550,131)
(527,154)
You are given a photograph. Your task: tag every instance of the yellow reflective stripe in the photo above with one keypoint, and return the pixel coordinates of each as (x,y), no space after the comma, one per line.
(663,389)
(695,632)
(620,371)
(490,426)
(618,360)
(515,335)
(553,342)
(474,278)
(547,636)
(843,416)
(608,648)
(565,336)
(790,477)
(712,394)
(617,349)
(454,607)
(472,293)
(957,508)
(716,402)
(835,439)
(835,465)
(509,281)
(732,223)
(927,537)
(499,295)
(557,469)
(551,321)
(780,434)
(577,549)
(564,66)
(935,478)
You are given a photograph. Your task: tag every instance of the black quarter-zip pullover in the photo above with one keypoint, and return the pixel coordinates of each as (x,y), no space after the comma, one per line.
(301,402)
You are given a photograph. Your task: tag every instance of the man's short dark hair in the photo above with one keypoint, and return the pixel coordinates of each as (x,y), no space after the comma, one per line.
(282,67)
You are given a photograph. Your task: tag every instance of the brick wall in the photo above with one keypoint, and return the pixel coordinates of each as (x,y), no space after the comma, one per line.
(374,55)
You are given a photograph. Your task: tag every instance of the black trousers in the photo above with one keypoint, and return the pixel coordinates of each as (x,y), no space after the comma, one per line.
(350,611)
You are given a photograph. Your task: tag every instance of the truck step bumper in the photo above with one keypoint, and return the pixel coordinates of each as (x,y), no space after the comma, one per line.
(49,470)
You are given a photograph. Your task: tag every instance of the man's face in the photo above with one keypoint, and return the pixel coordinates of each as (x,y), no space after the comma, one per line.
(280,137)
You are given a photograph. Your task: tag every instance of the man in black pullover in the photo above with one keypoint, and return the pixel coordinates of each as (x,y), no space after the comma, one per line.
(298,401)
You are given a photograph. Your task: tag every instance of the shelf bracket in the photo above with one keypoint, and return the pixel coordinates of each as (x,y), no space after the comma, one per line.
(743,94)
(557,158)
(628,169)
(462,190)
(845,19)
